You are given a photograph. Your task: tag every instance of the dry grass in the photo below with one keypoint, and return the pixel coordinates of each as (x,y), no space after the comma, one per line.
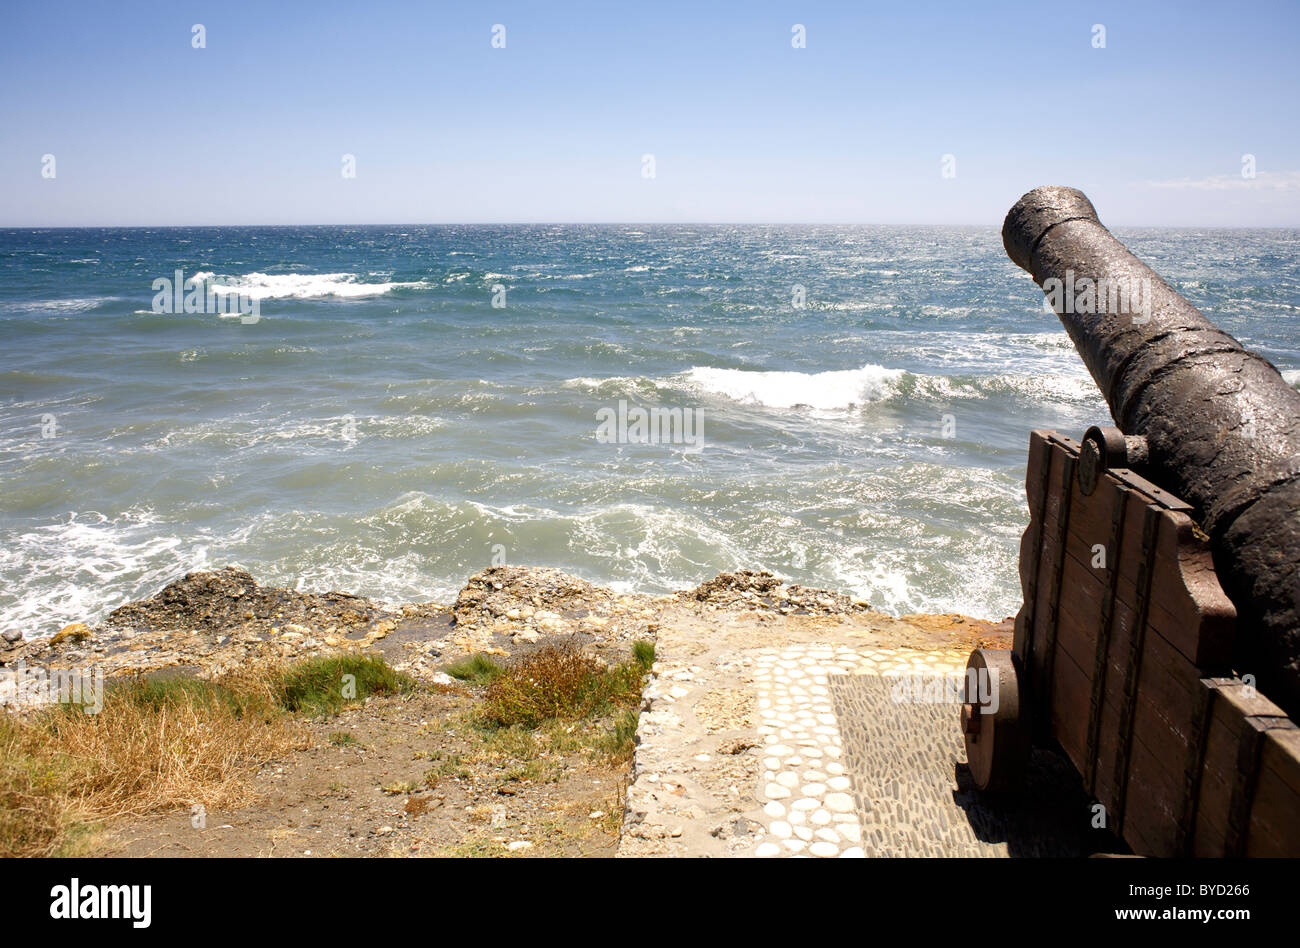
(154,745)
(35,811)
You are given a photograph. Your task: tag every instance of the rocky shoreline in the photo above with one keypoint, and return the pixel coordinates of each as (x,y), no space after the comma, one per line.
(208,623)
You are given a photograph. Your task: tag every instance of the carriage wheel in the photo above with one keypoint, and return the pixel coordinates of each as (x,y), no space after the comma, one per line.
(997,734)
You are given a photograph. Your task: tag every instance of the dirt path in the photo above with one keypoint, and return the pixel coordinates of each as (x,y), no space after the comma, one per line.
(407,777)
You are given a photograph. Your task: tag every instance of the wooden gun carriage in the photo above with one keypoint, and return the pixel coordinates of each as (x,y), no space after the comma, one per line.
(1123,657)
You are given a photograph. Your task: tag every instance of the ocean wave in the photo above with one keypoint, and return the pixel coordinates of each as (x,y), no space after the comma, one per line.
(261,286)
(1292,377)
(843,390)
(69,305)
(828,391)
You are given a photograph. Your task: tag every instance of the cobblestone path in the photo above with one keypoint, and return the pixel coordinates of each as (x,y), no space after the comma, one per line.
(795,738)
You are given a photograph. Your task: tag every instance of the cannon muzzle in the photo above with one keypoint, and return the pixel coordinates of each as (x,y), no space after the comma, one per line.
(1222,427)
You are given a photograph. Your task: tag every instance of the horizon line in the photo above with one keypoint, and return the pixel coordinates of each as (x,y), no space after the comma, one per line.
(561,223)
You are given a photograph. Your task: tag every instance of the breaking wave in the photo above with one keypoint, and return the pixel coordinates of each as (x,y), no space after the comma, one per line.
(261,286)
(848,389)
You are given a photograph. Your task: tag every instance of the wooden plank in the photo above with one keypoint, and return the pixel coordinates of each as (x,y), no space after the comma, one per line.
(1209,836)
(1070,690)
(1274,824)
(1188,604)
(1150,821)
(1031,544)
(1234,703)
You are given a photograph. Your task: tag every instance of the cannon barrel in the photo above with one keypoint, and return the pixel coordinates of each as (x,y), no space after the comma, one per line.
(1222,427)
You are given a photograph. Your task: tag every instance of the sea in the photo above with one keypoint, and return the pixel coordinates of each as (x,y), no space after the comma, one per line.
(394,408)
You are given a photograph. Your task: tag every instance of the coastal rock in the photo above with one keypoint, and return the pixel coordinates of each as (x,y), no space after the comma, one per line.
(210,601)
(763,592)
(504,592)
(75,632)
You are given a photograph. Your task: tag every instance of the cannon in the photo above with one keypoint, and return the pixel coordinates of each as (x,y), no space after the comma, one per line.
(1158,644)
(1221,425)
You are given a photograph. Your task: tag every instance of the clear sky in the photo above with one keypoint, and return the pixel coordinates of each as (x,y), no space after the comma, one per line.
(252,129)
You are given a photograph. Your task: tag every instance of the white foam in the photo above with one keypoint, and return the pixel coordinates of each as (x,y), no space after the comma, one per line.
(64,571)
(1292,377)
(70,305)
(828,391)
(261,286)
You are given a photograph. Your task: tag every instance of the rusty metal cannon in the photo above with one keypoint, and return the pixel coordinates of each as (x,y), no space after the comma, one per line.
(1159,640)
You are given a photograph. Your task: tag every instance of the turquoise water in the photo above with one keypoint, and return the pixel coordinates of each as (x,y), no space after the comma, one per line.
(384,429)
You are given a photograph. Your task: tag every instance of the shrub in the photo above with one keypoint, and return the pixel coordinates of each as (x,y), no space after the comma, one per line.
(558,681)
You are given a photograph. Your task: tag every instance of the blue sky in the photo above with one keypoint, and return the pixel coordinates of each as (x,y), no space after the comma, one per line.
(146,129)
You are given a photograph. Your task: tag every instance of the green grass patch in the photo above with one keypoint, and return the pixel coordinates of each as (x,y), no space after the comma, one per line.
(327,684)
(643,653)
(477,670)
(620,740)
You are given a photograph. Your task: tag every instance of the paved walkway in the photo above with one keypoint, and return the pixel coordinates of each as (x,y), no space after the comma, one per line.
(778,736)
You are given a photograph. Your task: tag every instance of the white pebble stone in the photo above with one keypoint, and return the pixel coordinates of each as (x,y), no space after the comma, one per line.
(803,832)
(776,791)
(774,809)
(837,783)
(813,776)
(768,849)
(788,779)
(824,849)
(813,789)
(772,763)
(798,817)
(854,852)
(838,802)
(851,831)
(805,804)
(820,817)
(795,845)
(781,829)
(829,835)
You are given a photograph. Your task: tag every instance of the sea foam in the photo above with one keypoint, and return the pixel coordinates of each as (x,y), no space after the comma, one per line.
(828,391)
(262,286)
